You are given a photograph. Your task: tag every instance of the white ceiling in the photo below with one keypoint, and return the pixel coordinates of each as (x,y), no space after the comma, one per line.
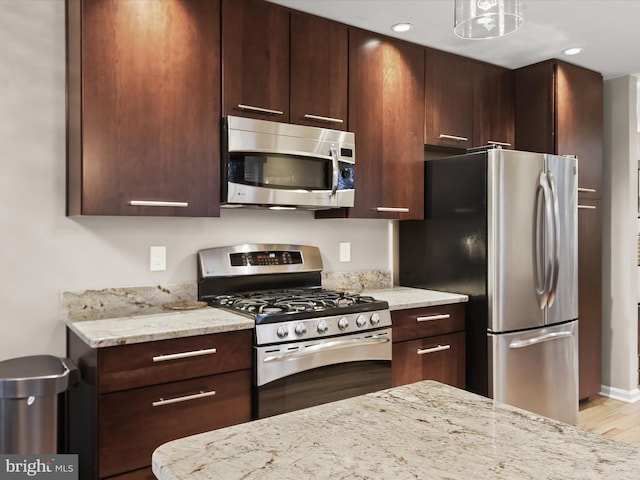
(608,30)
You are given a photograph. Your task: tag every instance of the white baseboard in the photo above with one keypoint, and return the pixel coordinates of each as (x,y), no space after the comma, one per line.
(628,396)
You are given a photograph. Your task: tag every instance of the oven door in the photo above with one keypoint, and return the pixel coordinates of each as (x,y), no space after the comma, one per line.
(300,375)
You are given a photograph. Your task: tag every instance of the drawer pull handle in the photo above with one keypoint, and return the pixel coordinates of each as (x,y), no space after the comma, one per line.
(153,203)
(587,207)
(392,209)
(439,348)
(308,116)
(499,144)
(176,356)
(586,190)
(428,318)
(444,136)
(251,108)
(169,401)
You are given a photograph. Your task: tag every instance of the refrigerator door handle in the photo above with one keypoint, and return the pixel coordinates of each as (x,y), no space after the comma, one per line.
(542,338)
(555,250)
(542,262)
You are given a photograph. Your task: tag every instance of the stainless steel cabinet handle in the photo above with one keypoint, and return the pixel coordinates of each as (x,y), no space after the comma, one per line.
(392,209)
(169,401)
(540,339)
(587,207)
(439,348)
(453,137)
(153,203)
(439,316)
(502,144)
(176,356)
(251,108)
(308,116)
(587,190)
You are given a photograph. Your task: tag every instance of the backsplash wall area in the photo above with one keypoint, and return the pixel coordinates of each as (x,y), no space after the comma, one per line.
(43,252)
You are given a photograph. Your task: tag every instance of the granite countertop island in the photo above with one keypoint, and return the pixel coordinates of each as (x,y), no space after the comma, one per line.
(422,430)
(111,317)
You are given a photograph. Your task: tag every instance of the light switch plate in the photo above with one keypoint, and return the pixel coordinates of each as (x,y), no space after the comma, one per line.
(345,251)
(158,258)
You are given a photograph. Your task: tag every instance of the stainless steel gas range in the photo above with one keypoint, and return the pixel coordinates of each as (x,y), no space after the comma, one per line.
(311,345)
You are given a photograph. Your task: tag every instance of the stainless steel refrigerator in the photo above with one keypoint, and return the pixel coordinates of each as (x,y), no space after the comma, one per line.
(501,227)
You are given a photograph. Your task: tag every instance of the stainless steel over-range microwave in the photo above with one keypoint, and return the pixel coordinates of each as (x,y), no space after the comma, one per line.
(274,164)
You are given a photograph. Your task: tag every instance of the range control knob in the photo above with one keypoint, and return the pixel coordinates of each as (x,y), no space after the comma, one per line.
(282,332)
(361,321)
(375,319)
(322,326)
(301,329)
(343,323)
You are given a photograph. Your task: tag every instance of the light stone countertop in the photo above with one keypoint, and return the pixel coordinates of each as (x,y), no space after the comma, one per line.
(136,318)
(423,430)
(401,298)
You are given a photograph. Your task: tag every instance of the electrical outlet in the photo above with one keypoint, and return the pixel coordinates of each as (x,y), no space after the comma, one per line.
(158,259)
(345,251)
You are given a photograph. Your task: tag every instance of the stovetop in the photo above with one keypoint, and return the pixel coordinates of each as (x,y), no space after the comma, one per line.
(280,305)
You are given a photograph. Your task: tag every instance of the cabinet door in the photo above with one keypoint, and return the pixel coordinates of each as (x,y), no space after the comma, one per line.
(143,95)
(133,423)
(535,108)
(580,124)
(255,60)
(439,358)
(386,95)
(448,100)
(319,72)
(589,297)
(493,106)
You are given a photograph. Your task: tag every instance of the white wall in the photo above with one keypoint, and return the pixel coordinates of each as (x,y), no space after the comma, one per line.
(620,327)
(42,252)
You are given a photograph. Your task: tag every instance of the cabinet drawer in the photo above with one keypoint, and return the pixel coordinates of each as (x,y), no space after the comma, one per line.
(151,363)
(134,423)
(427,322)
(439,358)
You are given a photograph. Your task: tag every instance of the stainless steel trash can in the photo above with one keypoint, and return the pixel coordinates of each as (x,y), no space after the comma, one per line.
(29,390)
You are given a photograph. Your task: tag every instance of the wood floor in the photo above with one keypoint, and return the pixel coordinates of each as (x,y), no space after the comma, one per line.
(611,418)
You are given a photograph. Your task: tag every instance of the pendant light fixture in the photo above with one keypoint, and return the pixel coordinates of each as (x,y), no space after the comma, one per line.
(482,19)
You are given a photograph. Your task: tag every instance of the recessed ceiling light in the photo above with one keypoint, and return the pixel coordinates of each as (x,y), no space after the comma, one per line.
(401,27)
(572,51)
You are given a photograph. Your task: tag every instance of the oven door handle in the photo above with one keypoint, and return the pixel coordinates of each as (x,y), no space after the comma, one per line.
(330,345)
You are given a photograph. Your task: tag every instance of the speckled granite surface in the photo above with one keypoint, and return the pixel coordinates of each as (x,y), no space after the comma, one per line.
(424,430)
(118,316)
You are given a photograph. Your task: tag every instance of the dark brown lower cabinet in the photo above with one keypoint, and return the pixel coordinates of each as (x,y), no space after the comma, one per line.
(429,344)
(589,297)
(133,398)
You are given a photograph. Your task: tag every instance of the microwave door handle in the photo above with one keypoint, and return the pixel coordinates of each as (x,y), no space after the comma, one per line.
(336,169)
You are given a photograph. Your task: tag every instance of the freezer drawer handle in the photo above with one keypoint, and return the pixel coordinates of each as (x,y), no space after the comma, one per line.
(439,348)
(542,338)
(169,401)
(428,318)
(251,108)
(176,356)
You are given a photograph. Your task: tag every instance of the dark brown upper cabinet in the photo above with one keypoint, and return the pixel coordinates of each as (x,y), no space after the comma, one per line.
(448,100)
(559,109)
(319,72)
(143,107)
(386,99)
(493,106)
(255,60)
